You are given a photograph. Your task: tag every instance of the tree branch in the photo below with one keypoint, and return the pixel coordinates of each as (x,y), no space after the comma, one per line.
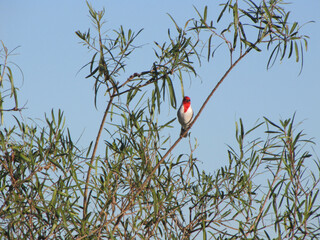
(85,197)
(144,184)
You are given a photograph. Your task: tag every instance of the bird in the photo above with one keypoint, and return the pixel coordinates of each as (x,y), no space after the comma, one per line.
(185,115)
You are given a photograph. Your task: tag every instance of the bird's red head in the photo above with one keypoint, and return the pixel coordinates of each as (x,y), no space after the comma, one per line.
(186,103)
(186,99)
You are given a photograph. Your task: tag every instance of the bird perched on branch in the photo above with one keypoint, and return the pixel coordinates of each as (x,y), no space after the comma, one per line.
(185,115)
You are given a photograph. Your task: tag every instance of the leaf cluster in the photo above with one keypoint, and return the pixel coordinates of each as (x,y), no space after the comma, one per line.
(252,25)
(7,84)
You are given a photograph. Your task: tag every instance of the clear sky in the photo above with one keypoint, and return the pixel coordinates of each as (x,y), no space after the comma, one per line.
(50,57)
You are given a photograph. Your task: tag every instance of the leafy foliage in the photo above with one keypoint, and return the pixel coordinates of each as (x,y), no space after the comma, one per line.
(138,189)
(7,84)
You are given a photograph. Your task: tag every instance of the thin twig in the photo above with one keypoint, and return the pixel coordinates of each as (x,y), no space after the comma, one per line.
(85,200)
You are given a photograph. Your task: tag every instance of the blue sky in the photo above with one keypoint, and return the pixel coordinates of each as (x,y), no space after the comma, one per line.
(50,57)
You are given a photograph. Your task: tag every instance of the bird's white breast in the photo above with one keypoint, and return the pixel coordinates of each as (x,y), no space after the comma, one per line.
(185,117)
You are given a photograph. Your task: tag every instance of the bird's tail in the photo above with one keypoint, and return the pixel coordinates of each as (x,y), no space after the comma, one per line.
(182,132)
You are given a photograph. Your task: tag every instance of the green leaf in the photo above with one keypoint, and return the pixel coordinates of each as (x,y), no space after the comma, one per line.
(293,27)
(177,27)
(266,9)
(172,95)
(223,10)
(297,51)
(242,31)
(205,13)
(291,49)
(235,24)
(251,45)
(253,19)
(273,56)
(209,47)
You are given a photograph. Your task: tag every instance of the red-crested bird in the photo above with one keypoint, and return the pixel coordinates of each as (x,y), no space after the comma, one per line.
(185,115)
